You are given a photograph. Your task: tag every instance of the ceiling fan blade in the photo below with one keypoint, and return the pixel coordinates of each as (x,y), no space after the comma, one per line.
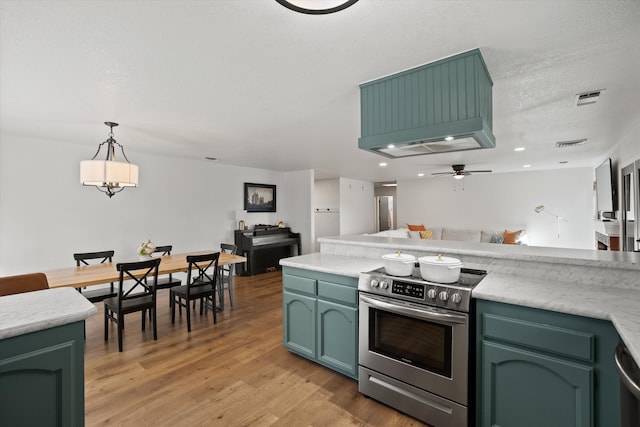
(443,173)
(480,171)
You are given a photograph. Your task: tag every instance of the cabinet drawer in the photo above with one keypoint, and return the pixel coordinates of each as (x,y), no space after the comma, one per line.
(302,285)
(552,339)
(339,293)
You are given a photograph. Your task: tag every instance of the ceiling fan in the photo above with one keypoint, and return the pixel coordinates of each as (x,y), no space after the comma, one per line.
(459,172)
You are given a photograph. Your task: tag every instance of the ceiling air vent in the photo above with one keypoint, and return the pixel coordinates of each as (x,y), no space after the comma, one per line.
(568,144)
(587,98)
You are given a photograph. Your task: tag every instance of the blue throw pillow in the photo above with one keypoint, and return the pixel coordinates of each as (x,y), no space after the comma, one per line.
(497,238)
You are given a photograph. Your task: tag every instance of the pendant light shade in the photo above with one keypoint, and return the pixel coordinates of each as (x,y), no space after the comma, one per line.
(109,176)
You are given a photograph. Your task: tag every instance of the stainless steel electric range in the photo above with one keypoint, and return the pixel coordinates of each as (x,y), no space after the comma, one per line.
(414,344)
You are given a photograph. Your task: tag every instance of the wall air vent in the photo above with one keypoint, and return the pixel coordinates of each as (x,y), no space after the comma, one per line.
(587,98)
(573,143)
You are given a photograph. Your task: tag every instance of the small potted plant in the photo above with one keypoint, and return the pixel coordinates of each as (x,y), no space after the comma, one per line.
(146,249)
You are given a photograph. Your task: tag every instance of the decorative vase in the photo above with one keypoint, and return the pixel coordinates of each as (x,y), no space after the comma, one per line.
(145,257)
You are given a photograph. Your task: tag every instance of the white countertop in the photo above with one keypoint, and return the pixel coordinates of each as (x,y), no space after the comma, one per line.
(568,256)
(615,304)
(334,264)
(33,311)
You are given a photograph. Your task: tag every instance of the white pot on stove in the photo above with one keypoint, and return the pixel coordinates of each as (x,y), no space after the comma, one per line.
(440,269)
(399,264)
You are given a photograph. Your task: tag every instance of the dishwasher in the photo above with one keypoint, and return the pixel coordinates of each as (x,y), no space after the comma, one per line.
(629,387)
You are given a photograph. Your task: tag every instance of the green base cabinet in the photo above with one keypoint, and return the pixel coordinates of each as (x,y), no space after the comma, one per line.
(42,378)
(320,318)
(542,368)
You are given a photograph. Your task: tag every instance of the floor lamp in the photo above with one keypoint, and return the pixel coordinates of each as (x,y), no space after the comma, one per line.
(540,208)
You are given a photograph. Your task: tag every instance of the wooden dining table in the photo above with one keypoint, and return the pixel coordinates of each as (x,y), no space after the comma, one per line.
(96,274)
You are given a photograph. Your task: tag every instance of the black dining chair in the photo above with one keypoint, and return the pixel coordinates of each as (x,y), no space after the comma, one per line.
(138,295)
(98,293)
(168,281)
(201,285)
(225,275)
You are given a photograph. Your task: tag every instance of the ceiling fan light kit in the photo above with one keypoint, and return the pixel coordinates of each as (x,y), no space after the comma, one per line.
(459,172)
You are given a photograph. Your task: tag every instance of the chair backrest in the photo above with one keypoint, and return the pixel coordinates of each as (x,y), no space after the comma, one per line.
(165,250)
(139,272)
(197,269)
(10,285)
(228,248)
(82,258)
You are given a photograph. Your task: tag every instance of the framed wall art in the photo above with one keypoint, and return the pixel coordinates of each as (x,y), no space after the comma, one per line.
(259,197)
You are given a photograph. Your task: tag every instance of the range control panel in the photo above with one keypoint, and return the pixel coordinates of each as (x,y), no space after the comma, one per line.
(408,289)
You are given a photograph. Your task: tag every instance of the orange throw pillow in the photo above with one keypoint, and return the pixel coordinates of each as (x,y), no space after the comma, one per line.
(511,237)
(415,227)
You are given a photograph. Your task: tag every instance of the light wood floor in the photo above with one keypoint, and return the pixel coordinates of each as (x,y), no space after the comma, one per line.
(233,373)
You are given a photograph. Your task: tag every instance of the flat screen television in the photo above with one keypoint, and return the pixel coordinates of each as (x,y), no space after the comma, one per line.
(606,191)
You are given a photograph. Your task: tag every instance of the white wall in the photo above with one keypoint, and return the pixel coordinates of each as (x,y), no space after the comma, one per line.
(46,215)
(356,207)
(297,199)
(506,200)
(326,209)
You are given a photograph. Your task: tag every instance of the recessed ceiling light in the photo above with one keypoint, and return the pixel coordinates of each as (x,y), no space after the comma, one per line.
(519,149)
(391,146)
(448,138)
(383,164)
(526,166)
(420,174)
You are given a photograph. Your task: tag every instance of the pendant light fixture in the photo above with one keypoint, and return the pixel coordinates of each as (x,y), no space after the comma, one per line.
(109,176)
(316,7)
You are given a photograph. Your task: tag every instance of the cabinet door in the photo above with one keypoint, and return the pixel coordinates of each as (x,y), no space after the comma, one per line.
(529,389)
(42,378)
(299,326)
(338,337)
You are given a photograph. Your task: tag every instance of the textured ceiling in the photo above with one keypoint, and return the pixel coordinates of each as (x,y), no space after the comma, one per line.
(255,84)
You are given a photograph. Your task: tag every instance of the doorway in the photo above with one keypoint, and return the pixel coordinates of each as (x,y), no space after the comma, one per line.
(385,205)
(630,207)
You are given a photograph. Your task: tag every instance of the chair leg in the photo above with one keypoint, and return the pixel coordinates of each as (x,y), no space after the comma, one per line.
(120,330)
(172,301)
(144,317)
(214,309)
(188,310)
(221,293)
(155,328)
(106,323)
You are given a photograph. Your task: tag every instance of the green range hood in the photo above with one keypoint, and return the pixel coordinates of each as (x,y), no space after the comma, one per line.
(439,107)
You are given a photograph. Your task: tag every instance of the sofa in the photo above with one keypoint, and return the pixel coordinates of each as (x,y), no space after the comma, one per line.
(504,236)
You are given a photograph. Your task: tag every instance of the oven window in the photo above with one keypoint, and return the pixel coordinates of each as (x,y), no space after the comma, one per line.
(420,343)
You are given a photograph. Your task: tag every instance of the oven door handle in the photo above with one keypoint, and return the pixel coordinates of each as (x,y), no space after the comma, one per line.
(425,313)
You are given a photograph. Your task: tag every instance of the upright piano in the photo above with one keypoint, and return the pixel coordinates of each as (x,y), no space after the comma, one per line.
(263,247)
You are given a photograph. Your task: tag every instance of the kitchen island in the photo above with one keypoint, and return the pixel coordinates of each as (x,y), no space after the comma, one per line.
(590,286)
(42,357)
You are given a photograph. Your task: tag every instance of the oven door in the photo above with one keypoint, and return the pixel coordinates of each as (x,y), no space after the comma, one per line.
(423,346)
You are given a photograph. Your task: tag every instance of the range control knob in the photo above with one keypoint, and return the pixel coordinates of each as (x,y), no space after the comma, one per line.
(374,283)
(444,295)
(384,284)
(432,293)
(456,298)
